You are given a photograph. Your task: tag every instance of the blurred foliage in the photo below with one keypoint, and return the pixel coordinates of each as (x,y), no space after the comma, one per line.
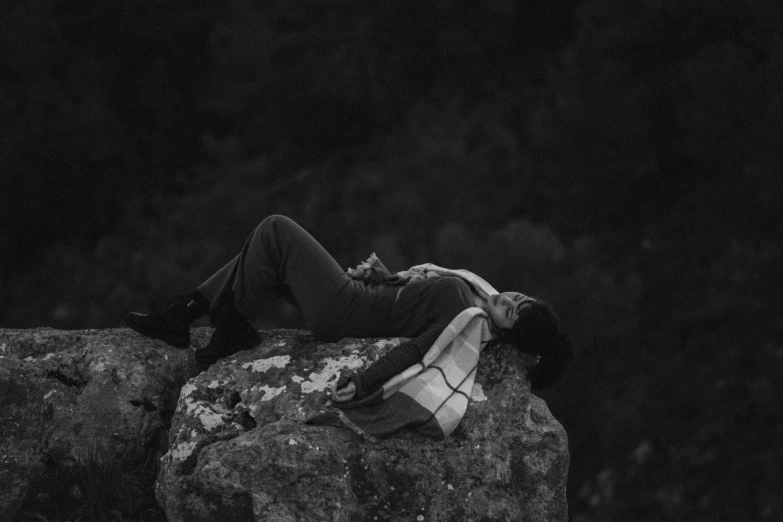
(621,160)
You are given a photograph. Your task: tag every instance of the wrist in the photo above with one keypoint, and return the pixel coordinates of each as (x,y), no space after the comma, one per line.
(358,381)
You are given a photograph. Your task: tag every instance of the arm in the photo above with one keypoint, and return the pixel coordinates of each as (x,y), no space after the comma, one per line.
(396,360)
(363,383)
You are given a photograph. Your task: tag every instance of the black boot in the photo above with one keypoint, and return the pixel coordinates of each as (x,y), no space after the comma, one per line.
(172,323)
(233,333)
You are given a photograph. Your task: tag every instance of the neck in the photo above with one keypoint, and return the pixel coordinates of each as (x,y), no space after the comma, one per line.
(481,303)
(484,305)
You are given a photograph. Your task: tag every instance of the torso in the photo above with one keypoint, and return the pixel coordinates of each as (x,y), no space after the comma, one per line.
(408,311)
(425,302)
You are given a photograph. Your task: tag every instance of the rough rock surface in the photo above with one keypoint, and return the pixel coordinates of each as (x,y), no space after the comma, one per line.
(240,447)
(64,393)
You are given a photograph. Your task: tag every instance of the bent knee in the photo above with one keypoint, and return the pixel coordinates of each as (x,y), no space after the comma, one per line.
(273,222)
(275,218)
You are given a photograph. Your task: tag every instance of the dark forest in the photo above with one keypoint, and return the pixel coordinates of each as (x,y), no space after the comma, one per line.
(621,160)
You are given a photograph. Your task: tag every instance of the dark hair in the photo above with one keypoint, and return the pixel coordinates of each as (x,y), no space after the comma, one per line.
(537,331)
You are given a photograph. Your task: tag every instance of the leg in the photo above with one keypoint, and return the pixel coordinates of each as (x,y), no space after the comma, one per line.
(283,259)
(280,258)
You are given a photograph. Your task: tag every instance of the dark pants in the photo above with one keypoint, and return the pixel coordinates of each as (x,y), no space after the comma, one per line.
(283,259)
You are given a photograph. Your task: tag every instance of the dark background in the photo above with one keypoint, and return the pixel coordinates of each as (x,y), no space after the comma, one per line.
(619,159)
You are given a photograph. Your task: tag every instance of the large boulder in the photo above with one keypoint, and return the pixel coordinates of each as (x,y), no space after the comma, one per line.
(242,445)
(73,397)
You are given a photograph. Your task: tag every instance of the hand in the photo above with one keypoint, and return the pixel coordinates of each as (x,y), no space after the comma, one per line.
(346,393)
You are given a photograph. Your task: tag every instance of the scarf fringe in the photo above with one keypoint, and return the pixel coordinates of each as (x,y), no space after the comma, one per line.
(345,420)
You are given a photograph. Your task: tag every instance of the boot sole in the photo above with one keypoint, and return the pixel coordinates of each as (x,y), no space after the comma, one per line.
(178,340)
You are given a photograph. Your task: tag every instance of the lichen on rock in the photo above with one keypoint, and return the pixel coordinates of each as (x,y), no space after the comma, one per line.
(240,442)
(241,439)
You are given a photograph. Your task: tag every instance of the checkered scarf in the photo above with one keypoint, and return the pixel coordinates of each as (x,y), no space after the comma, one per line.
(432,395)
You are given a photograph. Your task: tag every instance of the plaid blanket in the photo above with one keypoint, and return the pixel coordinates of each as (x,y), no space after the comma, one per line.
(432,395)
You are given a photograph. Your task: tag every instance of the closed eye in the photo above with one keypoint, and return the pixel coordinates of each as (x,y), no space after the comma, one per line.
(519,307)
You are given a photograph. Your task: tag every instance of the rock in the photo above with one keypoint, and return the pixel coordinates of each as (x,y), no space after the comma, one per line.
(240,444)
(65,393)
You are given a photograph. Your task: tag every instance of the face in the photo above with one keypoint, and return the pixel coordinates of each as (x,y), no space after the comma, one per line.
(504,309)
